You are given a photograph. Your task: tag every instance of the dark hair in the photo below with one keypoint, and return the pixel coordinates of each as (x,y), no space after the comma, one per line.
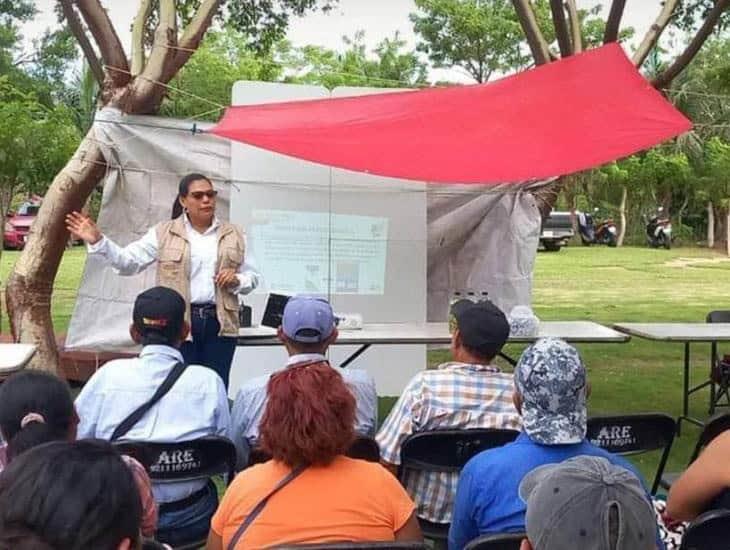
(308,347)
(309,415)
(39,392)
(69,496)
(182,191)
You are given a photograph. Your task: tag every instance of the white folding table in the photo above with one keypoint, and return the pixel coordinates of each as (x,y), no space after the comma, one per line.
(686,333)
(14,357)
(437,333)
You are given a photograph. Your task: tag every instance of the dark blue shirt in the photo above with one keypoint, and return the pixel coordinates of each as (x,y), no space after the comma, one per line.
(487,499)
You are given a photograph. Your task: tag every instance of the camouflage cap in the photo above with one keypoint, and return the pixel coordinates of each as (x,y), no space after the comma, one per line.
(551,378)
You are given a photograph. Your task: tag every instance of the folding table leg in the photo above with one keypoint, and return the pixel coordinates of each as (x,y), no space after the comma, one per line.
(687,391)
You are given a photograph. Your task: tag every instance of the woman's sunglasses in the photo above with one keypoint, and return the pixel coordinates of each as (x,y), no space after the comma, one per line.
(198,195)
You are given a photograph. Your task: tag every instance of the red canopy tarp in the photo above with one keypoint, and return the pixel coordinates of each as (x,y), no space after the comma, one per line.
(559,118)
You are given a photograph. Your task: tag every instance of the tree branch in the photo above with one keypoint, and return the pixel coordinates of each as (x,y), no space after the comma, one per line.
(575,29)
(192,35)
(77,29)
(535,39)
(165,42)
(101,28)
(614,21)
(703,33)
(145,8)
(654,32)
(561,28)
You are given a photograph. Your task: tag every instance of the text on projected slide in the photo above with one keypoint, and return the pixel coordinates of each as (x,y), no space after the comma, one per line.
(293,249)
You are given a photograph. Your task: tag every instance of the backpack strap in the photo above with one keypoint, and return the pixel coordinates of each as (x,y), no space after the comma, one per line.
(262,504)
(169,381)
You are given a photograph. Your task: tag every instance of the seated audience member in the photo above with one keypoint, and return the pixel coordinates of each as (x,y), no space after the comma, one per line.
(321,495)
(36,408)
(468,392)
(550,393)
(705,485)
(308,328)
(586,502)
(69,496)
(195,406)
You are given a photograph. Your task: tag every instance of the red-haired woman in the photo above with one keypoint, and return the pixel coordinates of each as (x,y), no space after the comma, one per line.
(310,492)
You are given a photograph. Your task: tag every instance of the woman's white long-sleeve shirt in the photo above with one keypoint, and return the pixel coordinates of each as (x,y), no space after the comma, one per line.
(138,255)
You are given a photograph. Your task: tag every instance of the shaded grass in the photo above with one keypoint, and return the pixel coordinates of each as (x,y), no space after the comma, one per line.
(598,284)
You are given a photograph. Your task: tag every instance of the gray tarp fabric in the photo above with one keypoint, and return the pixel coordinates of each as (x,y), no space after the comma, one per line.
(481,238)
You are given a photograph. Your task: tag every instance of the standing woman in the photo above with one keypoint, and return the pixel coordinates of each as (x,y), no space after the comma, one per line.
(197,255)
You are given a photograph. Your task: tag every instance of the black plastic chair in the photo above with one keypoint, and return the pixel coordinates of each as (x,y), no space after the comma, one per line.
(363,448)
(503,541)
(631,434)
(355,546)
(182,461)
(709,531)
(714,427)
(720,383)
(446,451)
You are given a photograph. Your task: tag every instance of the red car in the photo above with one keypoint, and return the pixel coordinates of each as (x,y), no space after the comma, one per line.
(17,225)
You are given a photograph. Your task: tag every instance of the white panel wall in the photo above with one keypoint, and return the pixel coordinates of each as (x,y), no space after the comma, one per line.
(265,180)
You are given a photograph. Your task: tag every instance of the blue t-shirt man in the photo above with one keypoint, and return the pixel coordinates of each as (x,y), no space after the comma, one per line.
(550,393)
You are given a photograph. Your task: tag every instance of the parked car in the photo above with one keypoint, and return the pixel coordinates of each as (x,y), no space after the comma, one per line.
(557,228)
(17,225)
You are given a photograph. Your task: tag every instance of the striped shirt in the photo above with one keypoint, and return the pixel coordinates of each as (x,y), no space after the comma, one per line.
(454,396)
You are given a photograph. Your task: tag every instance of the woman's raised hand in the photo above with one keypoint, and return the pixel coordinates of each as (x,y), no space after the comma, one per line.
(83,227)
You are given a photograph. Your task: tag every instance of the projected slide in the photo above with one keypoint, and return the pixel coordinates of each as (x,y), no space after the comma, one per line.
(299,251)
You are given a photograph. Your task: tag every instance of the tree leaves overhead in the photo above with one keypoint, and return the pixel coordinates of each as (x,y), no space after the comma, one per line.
(262,23)
(691,13)
(482,37)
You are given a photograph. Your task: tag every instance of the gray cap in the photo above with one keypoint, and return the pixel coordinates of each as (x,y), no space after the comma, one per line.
(551,378)
(569,504)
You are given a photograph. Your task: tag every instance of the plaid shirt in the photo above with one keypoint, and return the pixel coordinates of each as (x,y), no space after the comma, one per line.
(455,396)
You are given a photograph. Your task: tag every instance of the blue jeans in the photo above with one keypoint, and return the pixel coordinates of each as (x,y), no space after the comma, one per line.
(189,524)
(209,349)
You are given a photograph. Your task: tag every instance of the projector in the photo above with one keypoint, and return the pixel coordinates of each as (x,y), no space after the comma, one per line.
(349,321)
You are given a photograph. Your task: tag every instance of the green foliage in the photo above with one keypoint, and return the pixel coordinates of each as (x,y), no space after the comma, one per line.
(222,59)
(389,66)
(690,14)
(481,36)
(262,23)
(35,141)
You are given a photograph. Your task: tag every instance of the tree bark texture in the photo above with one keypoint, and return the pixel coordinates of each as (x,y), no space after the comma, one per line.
(535,39)
(561,27)
(710,225)
(30,286)
(652,35)
(613,22)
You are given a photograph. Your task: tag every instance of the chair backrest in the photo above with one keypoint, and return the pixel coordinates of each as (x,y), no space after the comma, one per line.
(504,541)
(355,546)
(713,427)
(363,448)
(709,531)
(449,450)
(634,434)
(183,461)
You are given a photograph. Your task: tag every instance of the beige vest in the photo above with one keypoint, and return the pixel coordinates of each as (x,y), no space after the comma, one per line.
(173,267)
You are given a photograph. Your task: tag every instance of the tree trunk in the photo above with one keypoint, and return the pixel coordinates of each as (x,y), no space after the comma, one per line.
(622,214)
(30,286)
(710,226)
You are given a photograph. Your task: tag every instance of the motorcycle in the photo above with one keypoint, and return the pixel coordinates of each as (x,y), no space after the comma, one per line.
(604,232)
(659,230)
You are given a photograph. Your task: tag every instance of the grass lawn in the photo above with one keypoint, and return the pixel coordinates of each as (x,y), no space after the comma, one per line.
(599,284)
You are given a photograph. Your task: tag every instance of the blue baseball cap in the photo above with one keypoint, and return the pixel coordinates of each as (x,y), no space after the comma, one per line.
(308,319)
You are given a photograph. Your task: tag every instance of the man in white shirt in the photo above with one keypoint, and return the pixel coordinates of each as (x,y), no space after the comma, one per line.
(194,407)
(308,328)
